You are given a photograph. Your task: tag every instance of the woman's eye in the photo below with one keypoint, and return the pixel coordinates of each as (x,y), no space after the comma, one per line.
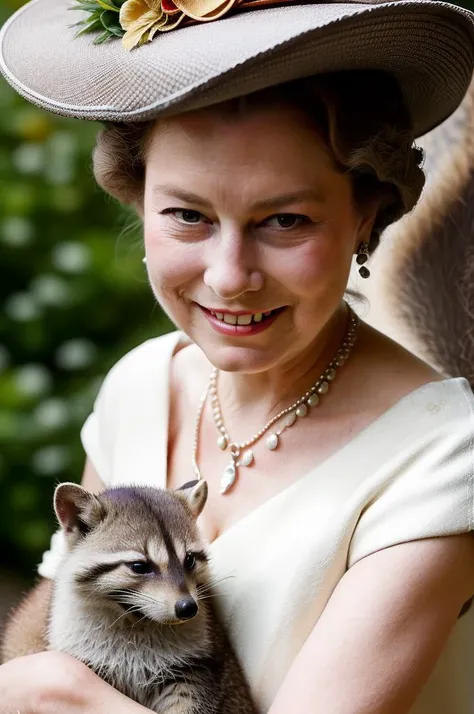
(184,215)
(140,568)
(189,561)
(288,220)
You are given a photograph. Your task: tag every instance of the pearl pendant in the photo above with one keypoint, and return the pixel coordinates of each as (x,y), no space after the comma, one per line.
(222,443)
(302,410)
(247,458)
(272,442)
(313,401)
(228,477)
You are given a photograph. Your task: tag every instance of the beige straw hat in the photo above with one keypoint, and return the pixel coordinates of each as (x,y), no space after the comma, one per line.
(428,46)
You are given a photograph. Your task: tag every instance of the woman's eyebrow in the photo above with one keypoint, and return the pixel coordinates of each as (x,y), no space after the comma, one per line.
(271,203)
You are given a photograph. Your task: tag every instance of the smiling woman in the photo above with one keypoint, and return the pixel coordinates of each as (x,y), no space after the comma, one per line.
(209,185)
(264,151)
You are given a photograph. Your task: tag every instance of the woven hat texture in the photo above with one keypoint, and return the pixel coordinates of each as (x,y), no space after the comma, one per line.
(428,46)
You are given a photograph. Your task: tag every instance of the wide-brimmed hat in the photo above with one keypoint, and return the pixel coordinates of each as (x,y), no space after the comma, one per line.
(428,46)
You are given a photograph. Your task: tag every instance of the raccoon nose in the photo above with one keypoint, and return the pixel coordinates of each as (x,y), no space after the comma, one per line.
(186,608)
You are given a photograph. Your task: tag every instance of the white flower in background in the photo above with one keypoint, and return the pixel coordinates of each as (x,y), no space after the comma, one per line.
(17,231)
(50,460)
(29,159)
(51,290)
(22,307)
(71,257)
(76,354)
(52,414)
(33,380)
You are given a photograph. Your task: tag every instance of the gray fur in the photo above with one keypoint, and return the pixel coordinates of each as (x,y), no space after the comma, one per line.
(185,668)
(426,267)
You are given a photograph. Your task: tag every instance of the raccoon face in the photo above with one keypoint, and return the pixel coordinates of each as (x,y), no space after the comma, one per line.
(136,550)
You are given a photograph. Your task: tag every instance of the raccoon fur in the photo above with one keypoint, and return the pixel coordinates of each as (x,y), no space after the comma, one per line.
(132,599)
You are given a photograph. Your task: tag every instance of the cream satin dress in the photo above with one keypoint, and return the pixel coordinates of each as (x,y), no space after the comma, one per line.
(409,475)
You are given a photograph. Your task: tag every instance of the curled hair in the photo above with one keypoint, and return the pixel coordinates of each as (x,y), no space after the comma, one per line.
(361,116)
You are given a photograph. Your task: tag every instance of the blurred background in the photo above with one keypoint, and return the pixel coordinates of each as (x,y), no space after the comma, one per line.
(74,298)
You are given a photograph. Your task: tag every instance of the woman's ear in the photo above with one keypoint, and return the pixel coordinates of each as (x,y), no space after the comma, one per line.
(366,224)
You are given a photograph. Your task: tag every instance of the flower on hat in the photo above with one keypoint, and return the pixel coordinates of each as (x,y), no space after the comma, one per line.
(138,21)
(142,19)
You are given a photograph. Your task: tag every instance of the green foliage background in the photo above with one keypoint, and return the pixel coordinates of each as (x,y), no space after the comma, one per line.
(74,299)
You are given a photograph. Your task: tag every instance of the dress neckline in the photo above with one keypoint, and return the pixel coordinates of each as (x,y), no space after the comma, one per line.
(178,340)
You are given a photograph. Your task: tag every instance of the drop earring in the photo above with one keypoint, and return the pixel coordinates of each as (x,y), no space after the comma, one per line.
(362,257)
(144,260)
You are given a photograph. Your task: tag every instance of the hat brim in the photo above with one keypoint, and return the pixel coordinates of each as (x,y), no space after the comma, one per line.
(428,46)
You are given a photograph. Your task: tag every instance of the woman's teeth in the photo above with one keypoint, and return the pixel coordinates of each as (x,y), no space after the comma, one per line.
(240,319)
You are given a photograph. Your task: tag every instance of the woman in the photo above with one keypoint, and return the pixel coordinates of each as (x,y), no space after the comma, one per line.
(339,465)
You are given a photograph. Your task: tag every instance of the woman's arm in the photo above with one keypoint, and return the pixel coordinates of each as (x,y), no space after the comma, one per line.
(53,682)
(382,631)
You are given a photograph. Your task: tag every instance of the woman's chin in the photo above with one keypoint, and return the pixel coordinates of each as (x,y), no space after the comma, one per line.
(249,359)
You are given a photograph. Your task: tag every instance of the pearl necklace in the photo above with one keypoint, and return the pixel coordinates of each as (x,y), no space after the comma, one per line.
(298,409)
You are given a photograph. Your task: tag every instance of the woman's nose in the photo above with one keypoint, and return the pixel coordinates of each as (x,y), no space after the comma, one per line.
(231,268)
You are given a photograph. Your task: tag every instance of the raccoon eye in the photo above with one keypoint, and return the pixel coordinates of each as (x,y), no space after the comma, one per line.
(189,561)
(140,568)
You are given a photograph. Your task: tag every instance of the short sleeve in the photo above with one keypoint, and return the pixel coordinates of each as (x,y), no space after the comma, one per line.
(93,444)
(425,492)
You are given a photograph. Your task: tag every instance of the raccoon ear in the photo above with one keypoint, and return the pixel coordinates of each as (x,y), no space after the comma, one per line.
(195,495)
(76,509)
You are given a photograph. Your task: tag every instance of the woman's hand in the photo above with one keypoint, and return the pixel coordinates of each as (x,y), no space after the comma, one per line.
(52,683)
(28,685)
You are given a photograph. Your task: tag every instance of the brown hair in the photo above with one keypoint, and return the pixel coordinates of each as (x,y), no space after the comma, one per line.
(361,115)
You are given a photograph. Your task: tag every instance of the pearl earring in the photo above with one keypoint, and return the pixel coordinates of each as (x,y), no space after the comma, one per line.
(144,260)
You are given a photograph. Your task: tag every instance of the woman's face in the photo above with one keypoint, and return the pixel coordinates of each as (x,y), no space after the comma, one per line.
(243,216)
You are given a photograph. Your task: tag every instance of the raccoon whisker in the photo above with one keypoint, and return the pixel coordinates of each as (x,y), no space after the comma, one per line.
(206,586)
(212,585)
(140,620)
(125,596)
(92,592)
(124,614)
(124,591)
(216,581)
(128,596)
(130,593)
(203,589)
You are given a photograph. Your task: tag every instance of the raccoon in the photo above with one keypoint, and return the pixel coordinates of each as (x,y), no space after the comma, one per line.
(132,599)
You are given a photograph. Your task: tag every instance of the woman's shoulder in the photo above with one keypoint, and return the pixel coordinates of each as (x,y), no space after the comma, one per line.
(150,358)
(401,392)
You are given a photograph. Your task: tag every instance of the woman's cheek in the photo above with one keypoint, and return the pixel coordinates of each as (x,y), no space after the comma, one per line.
(174,266)
(308,267)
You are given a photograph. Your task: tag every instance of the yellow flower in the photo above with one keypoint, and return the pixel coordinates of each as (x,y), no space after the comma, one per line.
(142,19)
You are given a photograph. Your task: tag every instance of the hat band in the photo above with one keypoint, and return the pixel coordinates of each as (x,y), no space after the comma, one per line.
(138,21)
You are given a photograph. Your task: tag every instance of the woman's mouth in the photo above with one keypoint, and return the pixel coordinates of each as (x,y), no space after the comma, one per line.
(243,324)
